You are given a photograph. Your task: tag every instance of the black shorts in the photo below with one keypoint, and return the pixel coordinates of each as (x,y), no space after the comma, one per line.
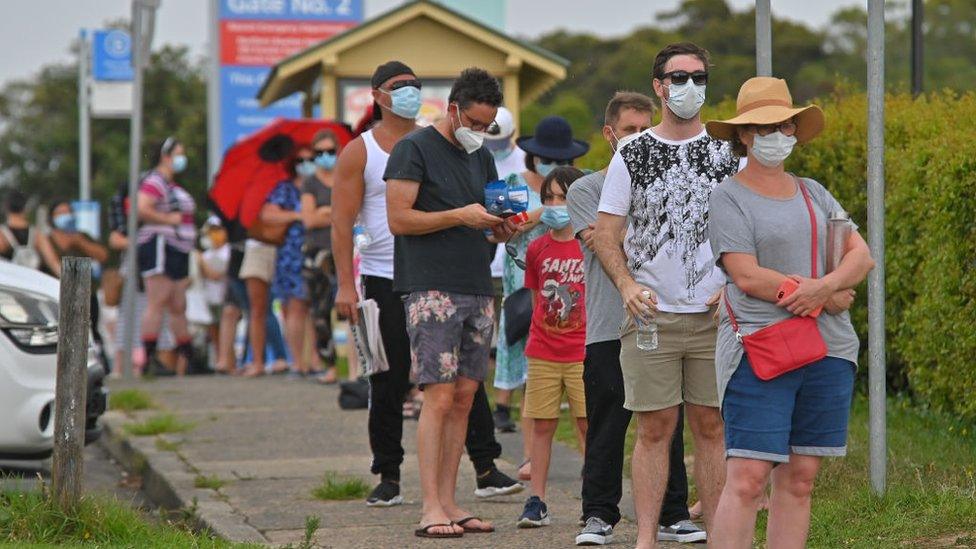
(158,258)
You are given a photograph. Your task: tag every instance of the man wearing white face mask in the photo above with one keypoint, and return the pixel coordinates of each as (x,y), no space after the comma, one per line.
(435,192)
(667,278)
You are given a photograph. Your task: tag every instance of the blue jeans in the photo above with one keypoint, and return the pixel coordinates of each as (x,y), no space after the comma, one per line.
(801,412)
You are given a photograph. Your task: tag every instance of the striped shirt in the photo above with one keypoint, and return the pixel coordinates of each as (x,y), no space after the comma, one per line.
(168,197)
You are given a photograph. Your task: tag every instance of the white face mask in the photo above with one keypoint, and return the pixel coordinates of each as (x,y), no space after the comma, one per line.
(771,150)
(622,141)
(685,101)
(469,139)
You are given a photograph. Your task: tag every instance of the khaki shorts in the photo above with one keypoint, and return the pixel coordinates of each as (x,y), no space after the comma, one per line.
(681,369)
(259,262)
(544,389)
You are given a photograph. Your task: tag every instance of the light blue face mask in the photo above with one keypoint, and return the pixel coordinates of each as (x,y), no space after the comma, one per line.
(555,217)
(406,101)
(179,163)
(305,168)
(325,161)
(65,222)
(544,169)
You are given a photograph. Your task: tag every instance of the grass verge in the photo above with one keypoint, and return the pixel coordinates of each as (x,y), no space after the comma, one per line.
(212,482)
(931,496)
(129,400)
(157,425)
(31,519)
(338,488)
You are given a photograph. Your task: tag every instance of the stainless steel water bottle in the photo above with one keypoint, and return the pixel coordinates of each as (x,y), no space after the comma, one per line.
(838,231)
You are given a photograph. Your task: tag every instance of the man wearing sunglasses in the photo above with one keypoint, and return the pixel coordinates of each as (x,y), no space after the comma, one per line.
(435,179)
(360,193)
(666,274)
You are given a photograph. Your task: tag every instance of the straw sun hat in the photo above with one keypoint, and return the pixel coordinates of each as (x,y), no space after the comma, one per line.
(763,100)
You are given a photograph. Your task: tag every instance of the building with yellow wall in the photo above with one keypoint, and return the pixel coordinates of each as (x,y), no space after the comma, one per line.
(435,41)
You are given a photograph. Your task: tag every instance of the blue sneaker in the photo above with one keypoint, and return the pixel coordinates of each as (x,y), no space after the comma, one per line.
(535,514)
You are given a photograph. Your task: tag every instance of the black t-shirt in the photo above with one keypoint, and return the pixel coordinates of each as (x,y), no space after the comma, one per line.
(456,259)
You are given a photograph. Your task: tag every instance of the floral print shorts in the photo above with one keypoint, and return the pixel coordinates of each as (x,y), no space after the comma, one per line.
(450,335)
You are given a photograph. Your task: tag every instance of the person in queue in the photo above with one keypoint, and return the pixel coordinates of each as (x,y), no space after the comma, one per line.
(627,115)
(284,207)
(20,242)
(660,183)
(318,270)
(166,236)
(761,235)
(359,197)
(552,145)
(435,188)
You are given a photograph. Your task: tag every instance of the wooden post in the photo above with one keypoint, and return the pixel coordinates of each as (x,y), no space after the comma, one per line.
(74,327)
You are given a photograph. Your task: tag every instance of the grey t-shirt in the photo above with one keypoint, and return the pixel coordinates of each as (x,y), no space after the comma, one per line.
(320,238)
(604,307)
(777,233)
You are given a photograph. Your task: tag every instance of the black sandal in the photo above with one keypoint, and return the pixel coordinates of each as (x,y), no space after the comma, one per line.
(473,530)
(424,532)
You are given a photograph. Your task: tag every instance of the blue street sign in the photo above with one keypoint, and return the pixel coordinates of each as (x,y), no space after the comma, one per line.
(241,114)
(295,10)
(111,55)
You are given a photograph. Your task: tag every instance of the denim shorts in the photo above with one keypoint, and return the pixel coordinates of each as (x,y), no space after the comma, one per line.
(801,412)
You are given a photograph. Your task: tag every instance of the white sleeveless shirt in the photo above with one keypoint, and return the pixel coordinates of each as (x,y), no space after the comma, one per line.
(377,258)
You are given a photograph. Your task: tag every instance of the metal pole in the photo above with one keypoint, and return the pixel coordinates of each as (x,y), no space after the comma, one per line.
(764,39)
(918,47)
(140,53)
(876,240)
(213,95)
(84,121)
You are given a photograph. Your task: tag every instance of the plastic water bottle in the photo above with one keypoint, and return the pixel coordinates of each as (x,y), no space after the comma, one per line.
(360,238)
(646,331)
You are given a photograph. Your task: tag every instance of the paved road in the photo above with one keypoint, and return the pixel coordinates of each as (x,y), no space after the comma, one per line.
(271,440)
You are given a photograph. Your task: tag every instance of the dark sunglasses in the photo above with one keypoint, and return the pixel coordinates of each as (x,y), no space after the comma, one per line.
(556,162)
(320,152)
(299,159)
(404,83)
(700,78)
(513,253)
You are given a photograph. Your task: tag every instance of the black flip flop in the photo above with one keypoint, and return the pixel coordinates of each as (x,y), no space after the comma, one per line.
(424,532)
(473,530)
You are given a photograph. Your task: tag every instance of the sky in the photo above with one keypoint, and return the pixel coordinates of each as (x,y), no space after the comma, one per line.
(23,50)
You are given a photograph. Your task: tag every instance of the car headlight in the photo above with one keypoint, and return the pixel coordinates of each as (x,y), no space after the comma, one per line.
(30,320)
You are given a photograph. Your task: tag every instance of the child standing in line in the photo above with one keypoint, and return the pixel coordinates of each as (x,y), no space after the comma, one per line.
(557,335)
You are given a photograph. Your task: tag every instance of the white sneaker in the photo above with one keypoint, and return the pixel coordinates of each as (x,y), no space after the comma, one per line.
(682,532)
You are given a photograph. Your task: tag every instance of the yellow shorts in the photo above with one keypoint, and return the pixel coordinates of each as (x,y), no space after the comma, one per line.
(544,389)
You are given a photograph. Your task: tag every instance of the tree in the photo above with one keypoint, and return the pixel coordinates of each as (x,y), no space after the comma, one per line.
(39,134)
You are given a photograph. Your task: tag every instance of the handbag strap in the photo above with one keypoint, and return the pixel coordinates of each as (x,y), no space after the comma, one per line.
(813,254)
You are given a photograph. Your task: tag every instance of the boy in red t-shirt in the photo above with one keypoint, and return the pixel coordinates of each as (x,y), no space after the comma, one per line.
(557,336)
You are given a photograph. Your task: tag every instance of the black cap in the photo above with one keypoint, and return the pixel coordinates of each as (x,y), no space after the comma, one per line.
(388,70)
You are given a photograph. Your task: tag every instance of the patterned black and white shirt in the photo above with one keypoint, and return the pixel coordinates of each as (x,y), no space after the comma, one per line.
(664,187)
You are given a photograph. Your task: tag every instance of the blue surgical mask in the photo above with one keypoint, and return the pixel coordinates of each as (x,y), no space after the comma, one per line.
(555,217)
(544,169)
(179,163)
(305,168)
(406,101)
(65,222)
(325,161)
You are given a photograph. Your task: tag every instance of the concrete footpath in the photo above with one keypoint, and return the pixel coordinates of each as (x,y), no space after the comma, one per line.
(271,440)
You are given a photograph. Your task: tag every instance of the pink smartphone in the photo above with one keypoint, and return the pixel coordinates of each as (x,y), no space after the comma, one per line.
(788,287)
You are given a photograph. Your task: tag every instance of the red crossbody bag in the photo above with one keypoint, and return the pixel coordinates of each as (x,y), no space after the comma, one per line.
(788,344)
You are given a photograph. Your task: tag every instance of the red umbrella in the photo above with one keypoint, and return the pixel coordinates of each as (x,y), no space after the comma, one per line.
(245,179)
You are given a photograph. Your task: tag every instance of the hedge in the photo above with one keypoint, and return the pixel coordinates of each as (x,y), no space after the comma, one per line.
(930,231)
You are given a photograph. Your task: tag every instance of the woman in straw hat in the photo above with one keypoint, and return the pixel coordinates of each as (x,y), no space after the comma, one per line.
(760,232)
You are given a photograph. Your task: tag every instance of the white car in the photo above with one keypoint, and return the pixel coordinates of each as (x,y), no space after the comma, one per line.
(28,364)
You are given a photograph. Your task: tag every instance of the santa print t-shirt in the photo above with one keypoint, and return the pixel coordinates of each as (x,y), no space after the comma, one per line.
(554,272)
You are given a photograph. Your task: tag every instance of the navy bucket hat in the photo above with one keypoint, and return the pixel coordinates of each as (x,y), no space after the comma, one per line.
(553,140)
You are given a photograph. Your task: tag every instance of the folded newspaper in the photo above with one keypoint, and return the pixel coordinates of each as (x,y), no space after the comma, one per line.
(369,343)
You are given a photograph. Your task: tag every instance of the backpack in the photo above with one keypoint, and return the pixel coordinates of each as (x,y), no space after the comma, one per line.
(23,254)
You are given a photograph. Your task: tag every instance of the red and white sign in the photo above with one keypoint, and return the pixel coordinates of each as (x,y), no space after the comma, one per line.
(264,43)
